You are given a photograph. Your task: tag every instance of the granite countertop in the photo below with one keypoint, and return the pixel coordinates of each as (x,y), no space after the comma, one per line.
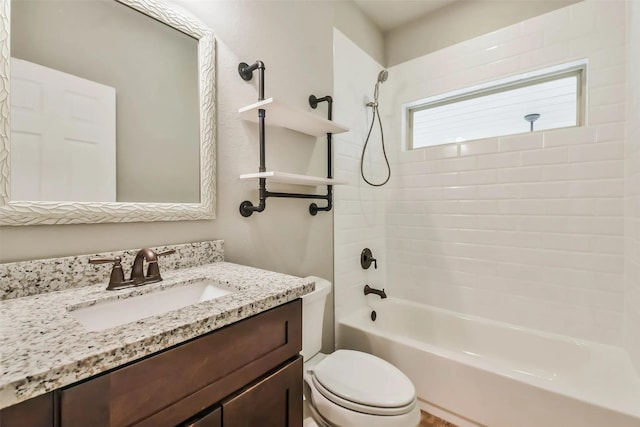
(44,348)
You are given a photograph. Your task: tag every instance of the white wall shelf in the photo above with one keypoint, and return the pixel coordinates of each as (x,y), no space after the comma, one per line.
(283,115)
(292,178)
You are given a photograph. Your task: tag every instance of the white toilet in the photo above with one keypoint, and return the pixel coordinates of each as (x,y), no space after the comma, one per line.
(350,388)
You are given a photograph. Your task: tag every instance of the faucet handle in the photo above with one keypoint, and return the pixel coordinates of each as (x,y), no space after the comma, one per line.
(153,271)
(366,258)
(117,274)
(167,252)
(105,260)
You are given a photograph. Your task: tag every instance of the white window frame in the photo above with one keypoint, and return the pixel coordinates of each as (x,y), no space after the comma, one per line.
(574,68)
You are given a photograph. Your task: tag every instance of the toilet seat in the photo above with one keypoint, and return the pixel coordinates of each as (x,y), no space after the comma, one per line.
(364,383)
(358,407)
(328,414)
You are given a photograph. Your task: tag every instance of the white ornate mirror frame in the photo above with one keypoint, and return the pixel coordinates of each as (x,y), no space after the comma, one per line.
(37,212)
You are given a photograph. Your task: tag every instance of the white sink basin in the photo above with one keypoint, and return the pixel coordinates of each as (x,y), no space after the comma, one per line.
(118,312)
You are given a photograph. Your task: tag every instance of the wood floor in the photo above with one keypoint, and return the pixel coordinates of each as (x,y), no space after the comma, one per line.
(428,420)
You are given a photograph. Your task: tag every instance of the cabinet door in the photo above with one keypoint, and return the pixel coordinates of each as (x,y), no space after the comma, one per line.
(36,412)
(275,401)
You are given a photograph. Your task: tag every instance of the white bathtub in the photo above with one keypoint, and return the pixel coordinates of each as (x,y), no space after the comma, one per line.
(475,371)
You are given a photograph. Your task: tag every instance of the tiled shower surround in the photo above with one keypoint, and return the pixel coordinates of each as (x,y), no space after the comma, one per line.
(359,218)
(527,229)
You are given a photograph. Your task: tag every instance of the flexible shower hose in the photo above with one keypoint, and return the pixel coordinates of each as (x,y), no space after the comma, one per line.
(374,106)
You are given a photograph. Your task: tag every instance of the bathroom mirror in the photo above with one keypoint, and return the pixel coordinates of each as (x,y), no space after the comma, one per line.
(134,111)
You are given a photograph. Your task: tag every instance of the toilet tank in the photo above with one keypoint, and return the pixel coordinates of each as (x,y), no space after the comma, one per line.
(313,317)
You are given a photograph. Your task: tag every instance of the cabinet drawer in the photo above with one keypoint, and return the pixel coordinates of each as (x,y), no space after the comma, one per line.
(171,386)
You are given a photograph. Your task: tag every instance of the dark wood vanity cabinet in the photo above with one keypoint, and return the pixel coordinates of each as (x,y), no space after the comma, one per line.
(246,374)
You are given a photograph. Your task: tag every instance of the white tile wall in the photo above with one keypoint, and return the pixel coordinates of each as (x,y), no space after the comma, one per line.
(632,188)
(527,229)
(359,216)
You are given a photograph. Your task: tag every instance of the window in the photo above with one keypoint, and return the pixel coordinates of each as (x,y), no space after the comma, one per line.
(549,99)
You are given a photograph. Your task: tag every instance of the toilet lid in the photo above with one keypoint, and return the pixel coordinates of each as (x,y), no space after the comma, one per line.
(364,379)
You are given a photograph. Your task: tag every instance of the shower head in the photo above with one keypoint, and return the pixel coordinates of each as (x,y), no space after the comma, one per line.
(382,76)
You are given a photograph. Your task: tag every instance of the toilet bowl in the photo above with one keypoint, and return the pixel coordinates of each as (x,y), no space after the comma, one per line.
(350,388)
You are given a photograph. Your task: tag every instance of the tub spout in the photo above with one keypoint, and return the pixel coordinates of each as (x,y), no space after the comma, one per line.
(369,290)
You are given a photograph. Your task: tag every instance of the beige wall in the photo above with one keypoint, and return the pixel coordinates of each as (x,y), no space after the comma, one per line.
(632,186)
(148,64)
(350,20)
(457,22)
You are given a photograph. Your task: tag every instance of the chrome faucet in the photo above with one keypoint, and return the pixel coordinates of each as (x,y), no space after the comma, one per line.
(137,277)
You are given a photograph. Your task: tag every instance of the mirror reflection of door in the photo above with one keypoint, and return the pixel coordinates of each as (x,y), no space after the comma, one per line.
(63,136)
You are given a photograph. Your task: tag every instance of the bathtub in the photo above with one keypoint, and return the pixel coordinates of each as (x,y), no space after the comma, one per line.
(474,371)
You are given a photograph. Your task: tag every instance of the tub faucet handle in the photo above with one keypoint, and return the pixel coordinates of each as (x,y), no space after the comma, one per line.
(366,258)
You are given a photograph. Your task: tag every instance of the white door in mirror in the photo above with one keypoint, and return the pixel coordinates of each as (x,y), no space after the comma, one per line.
(119,312)
(63,136)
